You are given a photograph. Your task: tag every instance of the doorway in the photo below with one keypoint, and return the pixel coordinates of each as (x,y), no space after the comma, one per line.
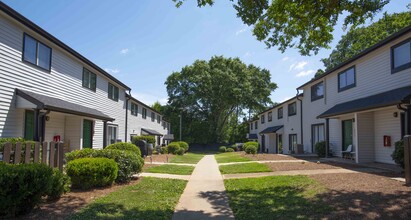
(347,134)
(263,143)
(280,144)
(317,135)
(87,133)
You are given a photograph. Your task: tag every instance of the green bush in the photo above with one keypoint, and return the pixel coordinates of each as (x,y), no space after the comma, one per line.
(250,147)
(128,162)
(22,187)
(60,184)
(147,138)
(164,150)
(222,149)
(3,141)
(320,148)
(398,154)
(234,147)
(86,173)
(180,151)
(183,145)
(173,147)
(125,146)
(230,150)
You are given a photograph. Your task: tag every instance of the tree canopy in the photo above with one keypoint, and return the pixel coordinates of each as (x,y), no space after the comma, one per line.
(304,24)
(210,92)
(360,38)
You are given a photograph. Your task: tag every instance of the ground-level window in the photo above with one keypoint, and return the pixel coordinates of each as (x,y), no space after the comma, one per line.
(317,134)
(112,134)
(87,133)
(292,142)
(29,124)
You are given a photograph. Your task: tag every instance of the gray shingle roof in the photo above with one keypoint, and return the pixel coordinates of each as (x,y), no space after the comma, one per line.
(389,98)
(58,105)
(151,132)
(252,136)
(169,137)
(271,129)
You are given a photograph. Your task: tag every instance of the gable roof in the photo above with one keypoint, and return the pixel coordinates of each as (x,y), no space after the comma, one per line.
(361,54)
(271,129)
(143,104)
(280,104)
(26,22)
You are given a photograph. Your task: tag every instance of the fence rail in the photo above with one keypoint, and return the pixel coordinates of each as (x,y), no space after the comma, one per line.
(51,153)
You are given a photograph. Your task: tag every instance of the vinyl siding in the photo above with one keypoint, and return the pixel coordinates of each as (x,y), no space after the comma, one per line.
(365,131)
(386,124)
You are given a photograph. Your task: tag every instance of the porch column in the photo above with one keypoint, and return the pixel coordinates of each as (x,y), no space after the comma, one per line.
(327,136)
(104,134)
(408,121)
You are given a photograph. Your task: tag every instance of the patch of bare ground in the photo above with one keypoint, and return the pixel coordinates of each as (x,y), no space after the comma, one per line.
(161,158)
(310,166)
(260,157)
(148,165)
(71,202)
(365,196)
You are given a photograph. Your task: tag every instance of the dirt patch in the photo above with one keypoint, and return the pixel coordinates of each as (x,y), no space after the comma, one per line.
(71,202)
(161,158)
(260,157)
(365,196)
(148,165)
(310,166)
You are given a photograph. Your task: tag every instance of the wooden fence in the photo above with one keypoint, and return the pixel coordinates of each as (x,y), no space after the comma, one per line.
(51,153)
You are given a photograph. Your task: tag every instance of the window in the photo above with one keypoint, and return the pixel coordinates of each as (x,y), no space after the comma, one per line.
(164,125)
(144,113)
(153,116)
(251,126)
(36,53)
(29,125)
(158,119)
(262,119)
(317,91)
(292,109)
(256,125)
(89,80)
(401,56)
(346,79)
(270,116)
(293,142)
(112,92)
(112,132)
(280,113)
(134,109)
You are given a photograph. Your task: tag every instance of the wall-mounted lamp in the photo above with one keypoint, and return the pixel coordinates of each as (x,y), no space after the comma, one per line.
(47,118)
(395,114)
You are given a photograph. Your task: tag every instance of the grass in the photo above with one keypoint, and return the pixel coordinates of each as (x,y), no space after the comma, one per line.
(190,158)
(276,197)
(170,169)
(152,198)
(244,168)
(230,157)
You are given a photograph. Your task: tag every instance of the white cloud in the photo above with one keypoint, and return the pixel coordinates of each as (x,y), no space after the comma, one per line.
(305,73)
(298,65)
(124,51)
(285,58)
(248,54)
(149,99)
(241,31)
(112,71)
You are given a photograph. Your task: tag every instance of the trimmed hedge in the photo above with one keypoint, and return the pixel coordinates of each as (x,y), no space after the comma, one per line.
(164,150)
(125,146)
(60,184)
(149,139)
(86,173)
(222,149)
(250,147)
(230,150)
(183,145)
(22,187)
(320,148)
(180,151)
(398,154)
(173,147)
(128,162)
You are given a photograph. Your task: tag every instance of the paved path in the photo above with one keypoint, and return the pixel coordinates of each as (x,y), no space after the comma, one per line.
(301,172)
(179,164)
(167,176)
(204,196)
(265,161)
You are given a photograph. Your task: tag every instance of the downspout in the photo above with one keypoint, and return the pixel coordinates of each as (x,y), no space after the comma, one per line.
(127,99)
(301,116)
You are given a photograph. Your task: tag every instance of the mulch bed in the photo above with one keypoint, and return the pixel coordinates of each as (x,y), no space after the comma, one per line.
(259,157)
(71,202)
(162,158)
(365,196)
(310,166)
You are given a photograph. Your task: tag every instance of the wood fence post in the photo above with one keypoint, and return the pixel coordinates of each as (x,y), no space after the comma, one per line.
(27,153)
(44,153)
(52,151)
(60,156)
(407,159)
(17,153)
(36,152)
(7,152)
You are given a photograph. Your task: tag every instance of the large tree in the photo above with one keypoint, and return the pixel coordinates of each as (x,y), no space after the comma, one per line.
(359,39)
(303,24)
(209,92)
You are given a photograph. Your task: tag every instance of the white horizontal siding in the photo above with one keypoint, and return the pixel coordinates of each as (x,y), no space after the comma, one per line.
(386,124)
(365,135)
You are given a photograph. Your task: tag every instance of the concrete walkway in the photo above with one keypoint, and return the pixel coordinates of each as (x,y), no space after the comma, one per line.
(178,164)
(204,196)
(265,161)
(166,176)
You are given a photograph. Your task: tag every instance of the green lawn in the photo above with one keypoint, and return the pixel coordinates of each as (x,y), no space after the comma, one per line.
(230,157)
(170,169)
(152,198)
(190,158)
(244,168)
(276,197)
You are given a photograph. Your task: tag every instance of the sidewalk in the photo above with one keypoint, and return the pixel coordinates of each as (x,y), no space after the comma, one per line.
(204,196)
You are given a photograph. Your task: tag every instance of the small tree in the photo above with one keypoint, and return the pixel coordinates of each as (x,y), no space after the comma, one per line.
(320,148)
(398,154)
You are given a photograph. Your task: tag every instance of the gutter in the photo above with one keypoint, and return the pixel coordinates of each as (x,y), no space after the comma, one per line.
(301,116)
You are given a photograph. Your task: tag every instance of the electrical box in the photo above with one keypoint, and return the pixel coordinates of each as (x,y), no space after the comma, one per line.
(387,141)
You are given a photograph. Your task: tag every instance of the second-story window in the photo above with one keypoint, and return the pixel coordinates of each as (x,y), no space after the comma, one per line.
(158,119)
(89,79)
(317,91)
(144,113)
(292,109)
(262,119)
(256,125)
(164,125)
(134,109)
(280,113)
(270,116)
(401,56)
(346,79)
(112,92)
(153,116)
(251,126)
(36,53)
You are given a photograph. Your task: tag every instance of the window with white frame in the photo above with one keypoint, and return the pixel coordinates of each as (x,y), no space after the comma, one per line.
(112,134)
(113,92)
(36,52)
(134,109)
(89,79)
(292,109)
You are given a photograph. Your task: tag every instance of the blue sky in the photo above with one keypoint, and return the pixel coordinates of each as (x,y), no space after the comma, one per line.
(141,42)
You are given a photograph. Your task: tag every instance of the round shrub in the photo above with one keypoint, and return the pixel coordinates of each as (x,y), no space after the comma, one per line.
(164,150)
(180,151)
(230,150)
(60,184)
(183,145)
(77,154)
(173,147)
(124,146)
(86,173)
(22,187)
(234,147)
(222,149)
(320,148)
(147,138)
(398,154)
(250,147)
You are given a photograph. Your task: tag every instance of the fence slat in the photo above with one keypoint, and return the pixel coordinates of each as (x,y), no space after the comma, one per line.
(60,156)
(36,152)
(44,153)
(27,153)
(7,152)
(17,153)
(52,153)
